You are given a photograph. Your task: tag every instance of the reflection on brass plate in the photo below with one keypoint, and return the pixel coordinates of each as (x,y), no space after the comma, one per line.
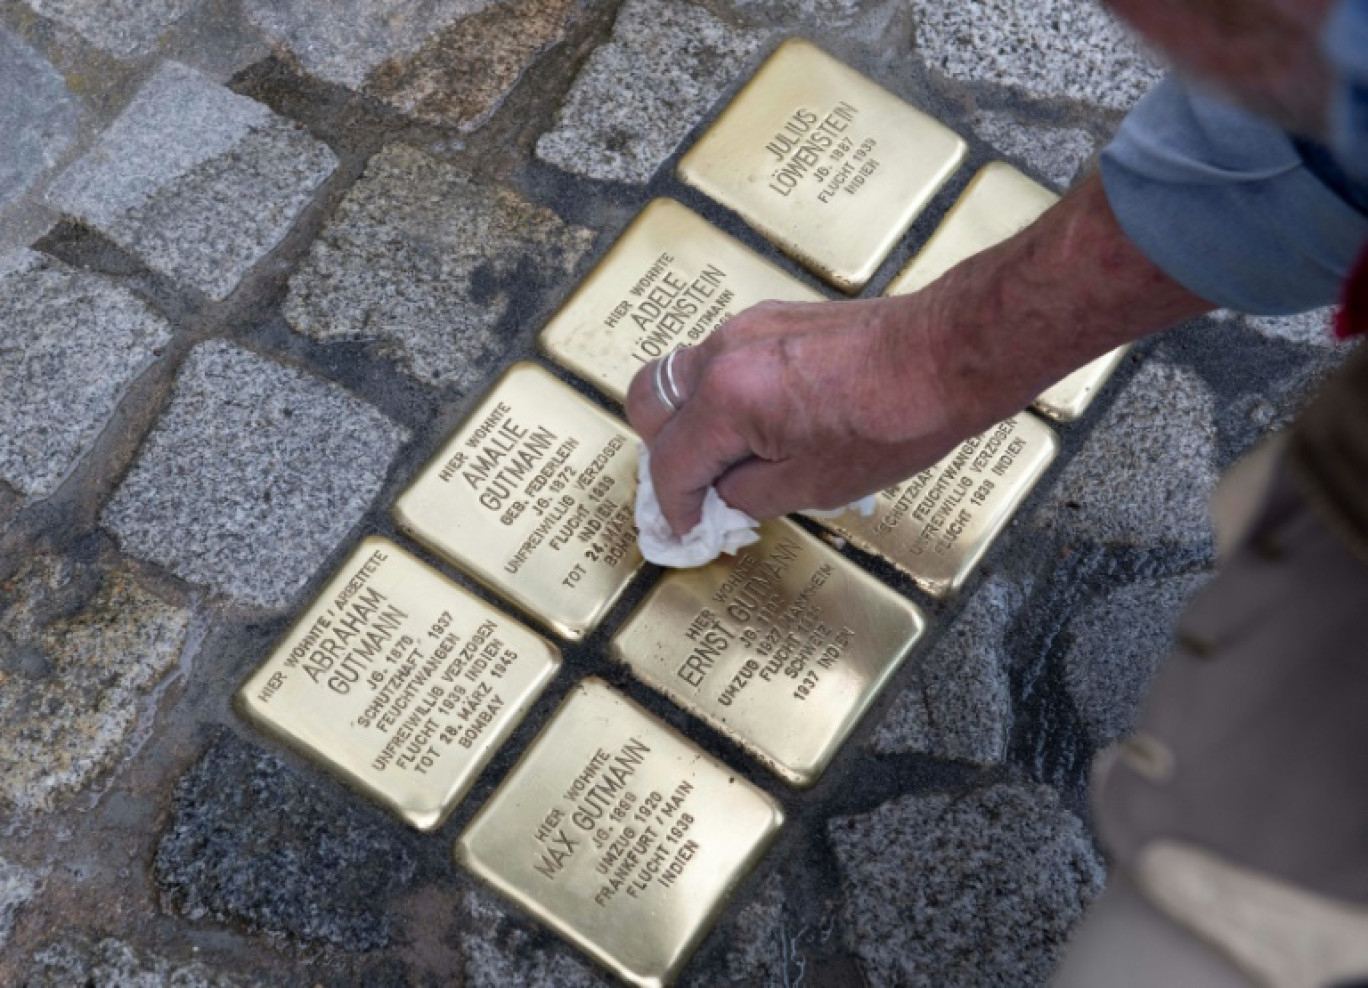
(782,646)
(830,166)
(938,525)
(999,203)
(620,834)
(533,495)
(400,681)
(668,282)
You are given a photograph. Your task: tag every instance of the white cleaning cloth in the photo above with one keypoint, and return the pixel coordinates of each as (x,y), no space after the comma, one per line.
(722,529)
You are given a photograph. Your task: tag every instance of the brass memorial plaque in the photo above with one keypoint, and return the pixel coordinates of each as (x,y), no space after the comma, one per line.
(620,834)
(668,282)
(999,203)
(938,525)
(830,166)
(400,681)
(782,646)
(533,495)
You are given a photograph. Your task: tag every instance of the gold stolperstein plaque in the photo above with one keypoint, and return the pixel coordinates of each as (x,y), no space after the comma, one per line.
(999,203)
(533,495)
(400,681)
(830,166)
(668,282)
(782,646)
(938,525)
(620,834)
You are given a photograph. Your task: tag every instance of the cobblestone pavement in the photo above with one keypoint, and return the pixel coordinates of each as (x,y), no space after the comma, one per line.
(258,258)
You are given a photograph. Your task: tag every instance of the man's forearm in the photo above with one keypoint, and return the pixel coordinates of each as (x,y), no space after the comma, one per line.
(1011,321)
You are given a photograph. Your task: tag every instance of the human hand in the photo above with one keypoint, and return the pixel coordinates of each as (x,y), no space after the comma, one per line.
(791,406)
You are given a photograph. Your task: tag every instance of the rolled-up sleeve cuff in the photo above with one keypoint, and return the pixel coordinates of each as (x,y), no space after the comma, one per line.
(1222,202)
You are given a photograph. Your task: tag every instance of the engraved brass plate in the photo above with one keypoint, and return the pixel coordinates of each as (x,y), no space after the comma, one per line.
(668,282)
(533,495)
(938,525)
(620,834)
(400,681)
(998,204)
(1070,398)
(827,164)
(782,646)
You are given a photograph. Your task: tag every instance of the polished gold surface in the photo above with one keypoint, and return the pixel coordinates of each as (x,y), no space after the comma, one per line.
(827,164)
(1070,398)
(937,526)
(400,681)
(533,495)
(999,203)
(668,282)
(782,646)
(620,834)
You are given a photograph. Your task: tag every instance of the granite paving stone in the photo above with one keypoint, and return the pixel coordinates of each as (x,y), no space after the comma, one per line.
(1146,472)
(828,13)
(342,42)
(973,889)
(254,474)
(71,344)
(80,649)
(755,954)
(1056,154)
(958,705)
(1310,328)
(1119,642)
(123,28)
(11,503)
(111,963)
(1048,49)
(423,260)
(17,887)
(641,92)
(499,953)
(196,181)
(441,61)
(462,74)
(38,116)
(249,841)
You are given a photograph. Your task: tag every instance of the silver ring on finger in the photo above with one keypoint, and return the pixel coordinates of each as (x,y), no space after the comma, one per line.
(666,388)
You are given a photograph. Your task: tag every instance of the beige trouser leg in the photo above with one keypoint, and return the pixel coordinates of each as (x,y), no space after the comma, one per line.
(1237,816)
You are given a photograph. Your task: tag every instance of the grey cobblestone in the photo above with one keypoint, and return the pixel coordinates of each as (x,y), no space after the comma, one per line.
(1310,328)
(254,474)
(79,650)
(959,706)
(194,180)
(499,954)
(442,61)
(985,888)
(342,43)
(1049,49)
(1146,472)
(251,841)
(38,116)
(111,963)
(1056,154)
(640,93)
(17,887)
(1118,645)
(123,28)
(421,259)
(73,343)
